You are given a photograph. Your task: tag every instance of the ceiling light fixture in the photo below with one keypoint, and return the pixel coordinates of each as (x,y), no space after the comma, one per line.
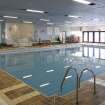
(12,17)
(73,16)
(83,2)
(68,22)
(50,23)
(96,19)
(29,22)
(35,11)
(1,20)
(45,20)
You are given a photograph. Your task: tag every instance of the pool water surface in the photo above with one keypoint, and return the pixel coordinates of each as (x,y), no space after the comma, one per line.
(44,70)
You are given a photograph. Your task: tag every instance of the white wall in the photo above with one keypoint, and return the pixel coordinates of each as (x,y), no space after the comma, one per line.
(93,28)
(72,31)
(48,32)
(15,32)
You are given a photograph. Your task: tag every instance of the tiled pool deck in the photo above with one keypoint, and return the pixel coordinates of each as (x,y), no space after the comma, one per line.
(15,92)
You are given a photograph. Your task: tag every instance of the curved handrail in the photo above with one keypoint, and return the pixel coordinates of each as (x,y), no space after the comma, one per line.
(64,78)
(92,75)
(77,78)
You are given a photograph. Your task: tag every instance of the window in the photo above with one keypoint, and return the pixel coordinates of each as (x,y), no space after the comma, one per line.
(90,36)
(96,35)
(102,36)
(85,36)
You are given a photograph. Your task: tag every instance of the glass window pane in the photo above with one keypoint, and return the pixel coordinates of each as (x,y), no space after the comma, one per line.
(102,38)
(96,36)
(90,36)
(85,36)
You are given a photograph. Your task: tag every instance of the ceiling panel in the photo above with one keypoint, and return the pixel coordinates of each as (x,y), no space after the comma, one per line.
(56,10)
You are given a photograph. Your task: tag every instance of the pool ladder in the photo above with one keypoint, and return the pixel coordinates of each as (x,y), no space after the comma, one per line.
(78,78)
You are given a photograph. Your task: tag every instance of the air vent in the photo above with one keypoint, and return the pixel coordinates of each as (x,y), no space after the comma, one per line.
(65,15)
(92,4)
(46,12)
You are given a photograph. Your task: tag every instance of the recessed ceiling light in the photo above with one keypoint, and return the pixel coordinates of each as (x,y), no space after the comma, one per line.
(27,22)
(45,20)
(73,16)
(1,20)
(68,22)
(13,17)
(35,11)
(96,19)
(84,23)
(50,23)
(83,1)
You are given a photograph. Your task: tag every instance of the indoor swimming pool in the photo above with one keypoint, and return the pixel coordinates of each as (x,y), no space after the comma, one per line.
(44,70)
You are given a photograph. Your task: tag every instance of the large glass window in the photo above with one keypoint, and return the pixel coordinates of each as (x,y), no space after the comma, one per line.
(85,36)
(96,35)
(102,36)
(90,36)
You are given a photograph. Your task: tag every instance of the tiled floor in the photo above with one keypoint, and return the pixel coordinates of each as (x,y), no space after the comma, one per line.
(18,92)
(15,92)
(7,81)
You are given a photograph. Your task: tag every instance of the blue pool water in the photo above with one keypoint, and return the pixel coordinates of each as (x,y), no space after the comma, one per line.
(44,70)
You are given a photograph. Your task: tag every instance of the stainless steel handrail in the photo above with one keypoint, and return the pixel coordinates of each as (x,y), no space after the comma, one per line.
(92,75)
(64,78)
(77,84)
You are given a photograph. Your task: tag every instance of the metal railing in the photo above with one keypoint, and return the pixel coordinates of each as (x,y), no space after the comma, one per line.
(77,78)
(93,74)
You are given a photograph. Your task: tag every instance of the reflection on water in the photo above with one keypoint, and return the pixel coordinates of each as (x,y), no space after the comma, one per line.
(46,68)
(69,55)
(94,52)
(14,60)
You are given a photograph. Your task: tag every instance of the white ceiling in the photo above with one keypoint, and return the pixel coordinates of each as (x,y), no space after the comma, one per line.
(56,10)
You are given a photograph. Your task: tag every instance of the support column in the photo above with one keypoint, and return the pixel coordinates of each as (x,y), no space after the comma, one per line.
(3,32)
